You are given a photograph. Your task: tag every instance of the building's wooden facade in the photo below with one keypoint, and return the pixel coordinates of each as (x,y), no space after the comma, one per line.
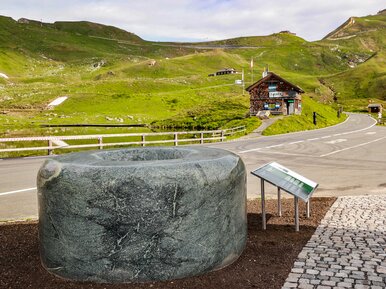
(275,94)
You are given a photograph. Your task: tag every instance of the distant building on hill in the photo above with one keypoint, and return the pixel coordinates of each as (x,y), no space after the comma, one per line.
(275,94)
(375,107)
(224,71)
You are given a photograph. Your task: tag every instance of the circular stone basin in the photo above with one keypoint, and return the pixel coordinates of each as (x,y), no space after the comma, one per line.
(141,214)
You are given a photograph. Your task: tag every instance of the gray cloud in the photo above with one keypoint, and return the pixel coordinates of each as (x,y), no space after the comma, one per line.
(199,20)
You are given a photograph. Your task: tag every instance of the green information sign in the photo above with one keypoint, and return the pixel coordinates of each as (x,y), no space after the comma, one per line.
(287,180)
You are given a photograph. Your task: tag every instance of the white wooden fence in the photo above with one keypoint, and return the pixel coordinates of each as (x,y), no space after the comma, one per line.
(58,142)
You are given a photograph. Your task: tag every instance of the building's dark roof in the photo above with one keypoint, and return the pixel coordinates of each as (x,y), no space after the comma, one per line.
(226,69)
(269,75)
(375,105)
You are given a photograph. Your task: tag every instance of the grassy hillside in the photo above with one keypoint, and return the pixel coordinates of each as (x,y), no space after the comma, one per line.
(97,30)
(113,76)
(365,81)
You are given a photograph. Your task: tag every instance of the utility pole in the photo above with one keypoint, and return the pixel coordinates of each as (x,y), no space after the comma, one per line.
(252,68)
(242,79)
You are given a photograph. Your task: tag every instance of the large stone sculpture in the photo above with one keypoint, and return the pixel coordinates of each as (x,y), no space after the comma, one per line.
(141,214)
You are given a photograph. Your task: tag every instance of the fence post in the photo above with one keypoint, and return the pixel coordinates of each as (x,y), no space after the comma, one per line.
(175,139)
(222,135)
(50,147)
(202,138)
(143,140)
(100,142)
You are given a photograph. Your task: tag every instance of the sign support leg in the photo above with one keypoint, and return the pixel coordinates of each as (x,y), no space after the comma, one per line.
(296,214)
(264,222)
(279,202)
(308,208)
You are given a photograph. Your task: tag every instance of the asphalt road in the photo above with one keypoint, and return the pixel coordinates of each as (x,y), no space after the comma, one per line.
(347,159)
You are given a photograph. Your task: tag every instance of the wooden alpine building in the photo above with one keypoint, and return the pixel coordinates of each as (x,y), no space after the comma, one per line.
(275,94)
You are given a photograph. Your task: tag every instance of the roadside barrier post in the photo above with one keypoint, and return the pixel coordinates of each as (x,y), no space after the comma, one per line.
(50,147)
(175,139)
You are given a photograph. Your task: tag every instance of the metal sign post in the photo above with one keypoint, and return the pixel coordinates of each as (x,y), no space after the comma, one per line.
(263,206)
(289,181)
(296,214)
(278,202)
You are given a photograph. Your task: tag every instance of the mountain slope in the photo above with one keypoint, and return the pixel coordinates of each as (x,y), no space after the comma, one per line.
(367,77)
(109,73)
(98,30)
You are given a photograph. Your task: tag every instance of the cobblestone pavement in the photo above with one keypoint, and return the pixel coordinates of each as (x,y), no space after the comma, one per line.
(347,250)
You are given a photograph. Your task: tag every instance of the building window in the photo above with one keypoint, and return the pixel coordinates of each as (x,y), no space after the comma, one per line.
(272,87)
(271,106)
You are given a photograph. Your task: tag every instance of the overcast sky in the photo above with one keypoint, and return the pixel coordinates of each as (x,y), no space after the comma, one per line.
(197,20)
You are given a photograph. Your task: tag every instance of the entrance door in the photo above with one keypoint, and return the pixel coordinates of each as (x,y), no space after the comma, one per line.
(291,109)
(290,106)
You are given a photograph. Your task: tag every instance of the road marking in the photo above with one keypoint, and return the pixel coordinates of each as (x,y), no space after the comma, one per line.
(353,147)
(274,146)
(295,142)
(323,137)
(371,132)
(286,154)
(336,141)
(18,191)
(359,130)
(251,150)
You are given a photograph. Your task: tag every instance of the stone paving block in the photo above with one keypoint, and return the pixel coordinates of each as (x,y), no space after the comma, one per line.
(305,286)
(359,286)
(312,272)
(290,285)
(297,270)
(345,284)
(329,283)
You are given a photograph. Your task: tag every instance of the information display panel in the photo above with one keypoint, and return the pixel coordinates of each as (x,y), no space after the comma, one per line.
(287,180)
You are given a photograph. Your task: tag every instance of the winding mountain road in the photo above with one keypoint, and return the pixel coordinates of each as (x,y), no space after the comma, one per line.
(346,159)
